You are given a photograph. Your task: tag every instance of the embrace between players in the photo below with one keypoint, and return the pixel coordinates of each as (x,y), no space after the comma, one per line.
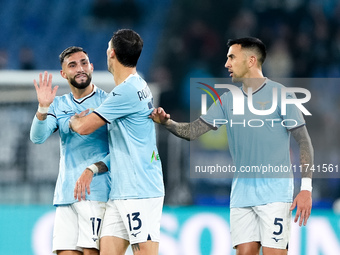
(117,200)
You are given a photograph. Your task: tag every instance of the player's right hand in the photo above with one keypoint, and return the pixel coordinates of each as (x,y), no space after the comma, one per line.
(160,116)
(83,185)
(303,202)
(44,90)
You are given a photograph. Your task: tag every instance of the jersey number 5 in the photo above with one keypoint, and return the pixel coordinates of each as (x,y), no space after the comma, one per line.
(277,222)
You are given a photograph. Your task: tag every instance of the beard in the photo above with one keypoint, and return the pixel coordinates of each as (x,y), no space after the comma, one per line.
(83,84)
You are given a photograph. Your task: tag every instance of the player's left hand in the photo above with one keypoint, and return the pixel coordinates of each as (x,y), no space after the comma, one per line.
(77,116)
(83,185)
(80,115)
(303,201)
(83,113)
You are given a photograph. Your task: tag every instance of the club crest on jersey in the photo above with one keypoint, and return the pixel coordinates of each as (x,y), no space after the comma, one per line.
(154,157)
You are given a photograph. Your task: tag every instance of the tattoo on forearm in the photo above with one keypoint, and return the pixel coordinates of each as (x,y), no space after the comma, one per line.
(41,116)
(102,168)
(306,151)
(135,247)
(189,131)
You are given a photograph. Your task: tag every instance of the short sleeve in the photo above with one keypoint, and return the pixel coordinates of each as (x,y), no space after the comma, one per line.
(121,101)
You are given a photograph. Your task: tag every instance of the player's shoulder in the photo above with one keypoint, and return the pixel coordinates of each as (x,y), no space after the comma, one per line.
(63,98)
(100,92)
(273,84)
(124,89)
(280,88)
(133,87)
(229,94)
(135,81)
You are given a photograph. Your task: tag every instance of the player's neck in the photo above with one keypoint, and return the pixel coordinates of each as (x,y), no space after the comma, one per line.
(254,80)
(122,72)
(80,93)
(254,83)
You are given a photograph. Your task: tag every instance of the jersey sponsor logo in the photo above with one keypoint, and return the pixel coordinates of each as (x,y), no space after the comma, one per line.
(144,93)
(67,112)
(154,157)
(115,94)
(289,95)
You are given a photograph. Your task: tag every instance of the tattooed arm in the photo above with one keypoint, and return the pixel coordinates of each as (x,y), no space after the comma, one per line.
(303,200)
(188,131)
(306,150)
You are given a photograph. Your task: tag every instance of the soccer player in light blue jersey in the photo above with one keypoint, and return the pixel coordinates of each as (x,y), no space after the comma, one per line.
(77,223)
(134,209)
(261,205)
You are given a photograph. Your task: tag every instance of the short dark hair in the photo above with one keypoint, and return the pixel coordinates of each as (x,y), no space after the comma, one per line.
(69,51)
(128,46)
(253,44)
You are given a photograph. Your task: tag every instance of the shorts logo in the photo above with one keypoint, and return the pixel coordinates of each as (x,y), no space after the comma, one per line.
(154,156)
(277,239)
(94,239)
(135,234)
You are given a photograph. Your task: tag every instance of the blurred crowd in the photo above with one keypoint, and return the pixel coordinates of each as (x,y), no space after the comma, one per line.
(302,37)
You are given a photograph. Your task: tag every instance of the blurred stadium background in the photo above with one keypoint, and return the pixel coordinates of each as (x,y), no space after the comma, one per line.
(183,39)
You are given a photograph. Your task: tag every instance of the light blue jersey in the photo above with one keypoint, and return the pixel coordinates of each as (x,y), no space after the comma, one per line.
(76,151)
(134,158)
(258,141)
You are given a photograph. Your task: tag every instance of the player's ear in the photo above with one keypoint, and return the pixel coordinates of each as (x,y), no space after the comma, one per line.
(252,61)
(63,74)
(112,53)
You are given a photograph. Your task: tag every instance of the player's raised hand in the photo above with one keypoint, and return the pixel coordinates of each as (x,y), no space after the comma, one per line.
(303,201)
(83,185)
(45,92)
(160,116)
